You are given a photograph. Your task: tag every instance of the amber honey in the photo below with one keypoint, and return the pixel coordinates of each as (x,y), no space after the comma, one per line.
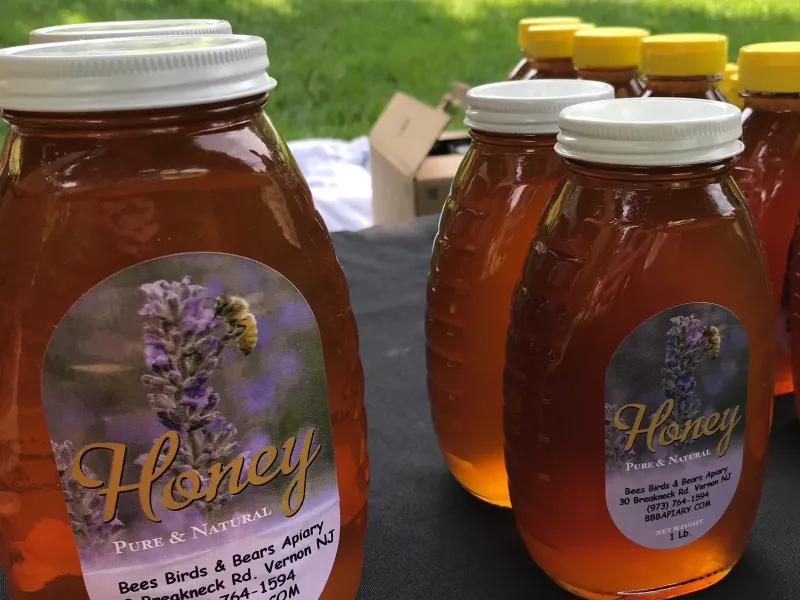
(639,357)
(152,251)
(486,226)
(767,175)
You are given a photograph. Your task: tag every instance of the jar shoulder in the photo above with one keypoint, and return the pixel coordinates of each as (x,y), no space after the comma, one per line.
(604,263)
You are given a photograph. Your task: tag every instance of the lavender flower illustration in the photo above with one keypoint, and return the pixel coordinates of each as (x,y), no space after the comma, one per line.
(688,343)
(183,346)
(183,342)
(616,454)
(84,506)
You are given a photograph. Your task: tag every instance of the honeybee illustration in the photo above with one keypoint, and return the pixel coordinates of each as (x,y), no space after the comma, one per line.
(241,323)
(713,340)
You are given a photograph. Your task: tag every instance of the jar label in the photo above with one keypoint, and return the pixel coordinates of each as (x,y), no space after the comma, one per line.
(187,407)
(676,389)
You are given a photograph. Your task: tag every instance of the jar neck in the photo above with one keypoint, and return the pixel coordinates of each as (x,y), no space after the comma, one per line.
(682,85)
(508,142)
(553,67)
(205,117)
(685,175)
(608,74)
(771,102)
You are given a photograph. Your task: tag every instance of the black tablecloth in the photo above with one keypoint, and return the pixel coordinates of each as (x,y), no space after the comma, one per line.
(429,539)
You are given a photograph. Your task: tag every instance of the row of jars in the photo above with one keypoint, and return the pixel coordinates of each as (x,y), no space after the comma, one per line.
(689,65)
(612,229)
(610,273)
(637,64)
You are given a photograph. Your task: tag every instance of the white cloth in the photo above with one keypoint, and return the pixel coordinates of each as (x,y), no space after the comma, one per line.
(338,175)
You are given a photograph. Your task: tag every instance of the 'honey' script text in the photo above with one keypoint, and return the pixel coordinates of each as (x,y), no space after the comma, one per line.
(675,432)
(187,487)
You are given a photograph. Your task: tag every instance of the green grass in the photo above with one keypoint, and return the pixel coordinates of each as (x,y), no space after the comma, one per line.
(339,61)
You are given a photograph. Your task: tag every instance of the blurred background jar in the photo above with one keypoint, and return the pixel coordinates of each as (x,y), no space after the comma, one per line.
(549,48)
(684,65)
(526,63)
(767,171)
(487,224)
(730,85)
(611,55)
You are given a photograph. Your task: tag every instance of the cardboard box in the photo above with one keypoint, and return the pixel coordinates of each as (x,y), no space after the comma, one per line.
(413,160)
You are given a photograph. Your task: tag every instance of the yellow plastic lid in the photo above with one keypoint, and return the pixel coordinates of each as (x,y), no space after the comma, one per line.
(684,54)
(773,67)
(535,21)
(730,84)
(552,41)
(608,47)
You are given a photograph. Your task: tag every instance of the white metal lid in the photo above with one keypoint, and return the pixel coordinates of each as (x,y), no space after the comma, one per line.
(526,107)
(132,73)
(650,132)
(115,29)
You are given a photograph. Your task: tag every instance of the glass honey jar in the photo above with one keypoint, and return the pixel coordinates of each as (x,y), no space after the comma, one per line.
(729,85)
(181,395)
(640,356)
(525,63)
(612,55)
(684,65)
(488,221)
(767,172)
(549,49)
